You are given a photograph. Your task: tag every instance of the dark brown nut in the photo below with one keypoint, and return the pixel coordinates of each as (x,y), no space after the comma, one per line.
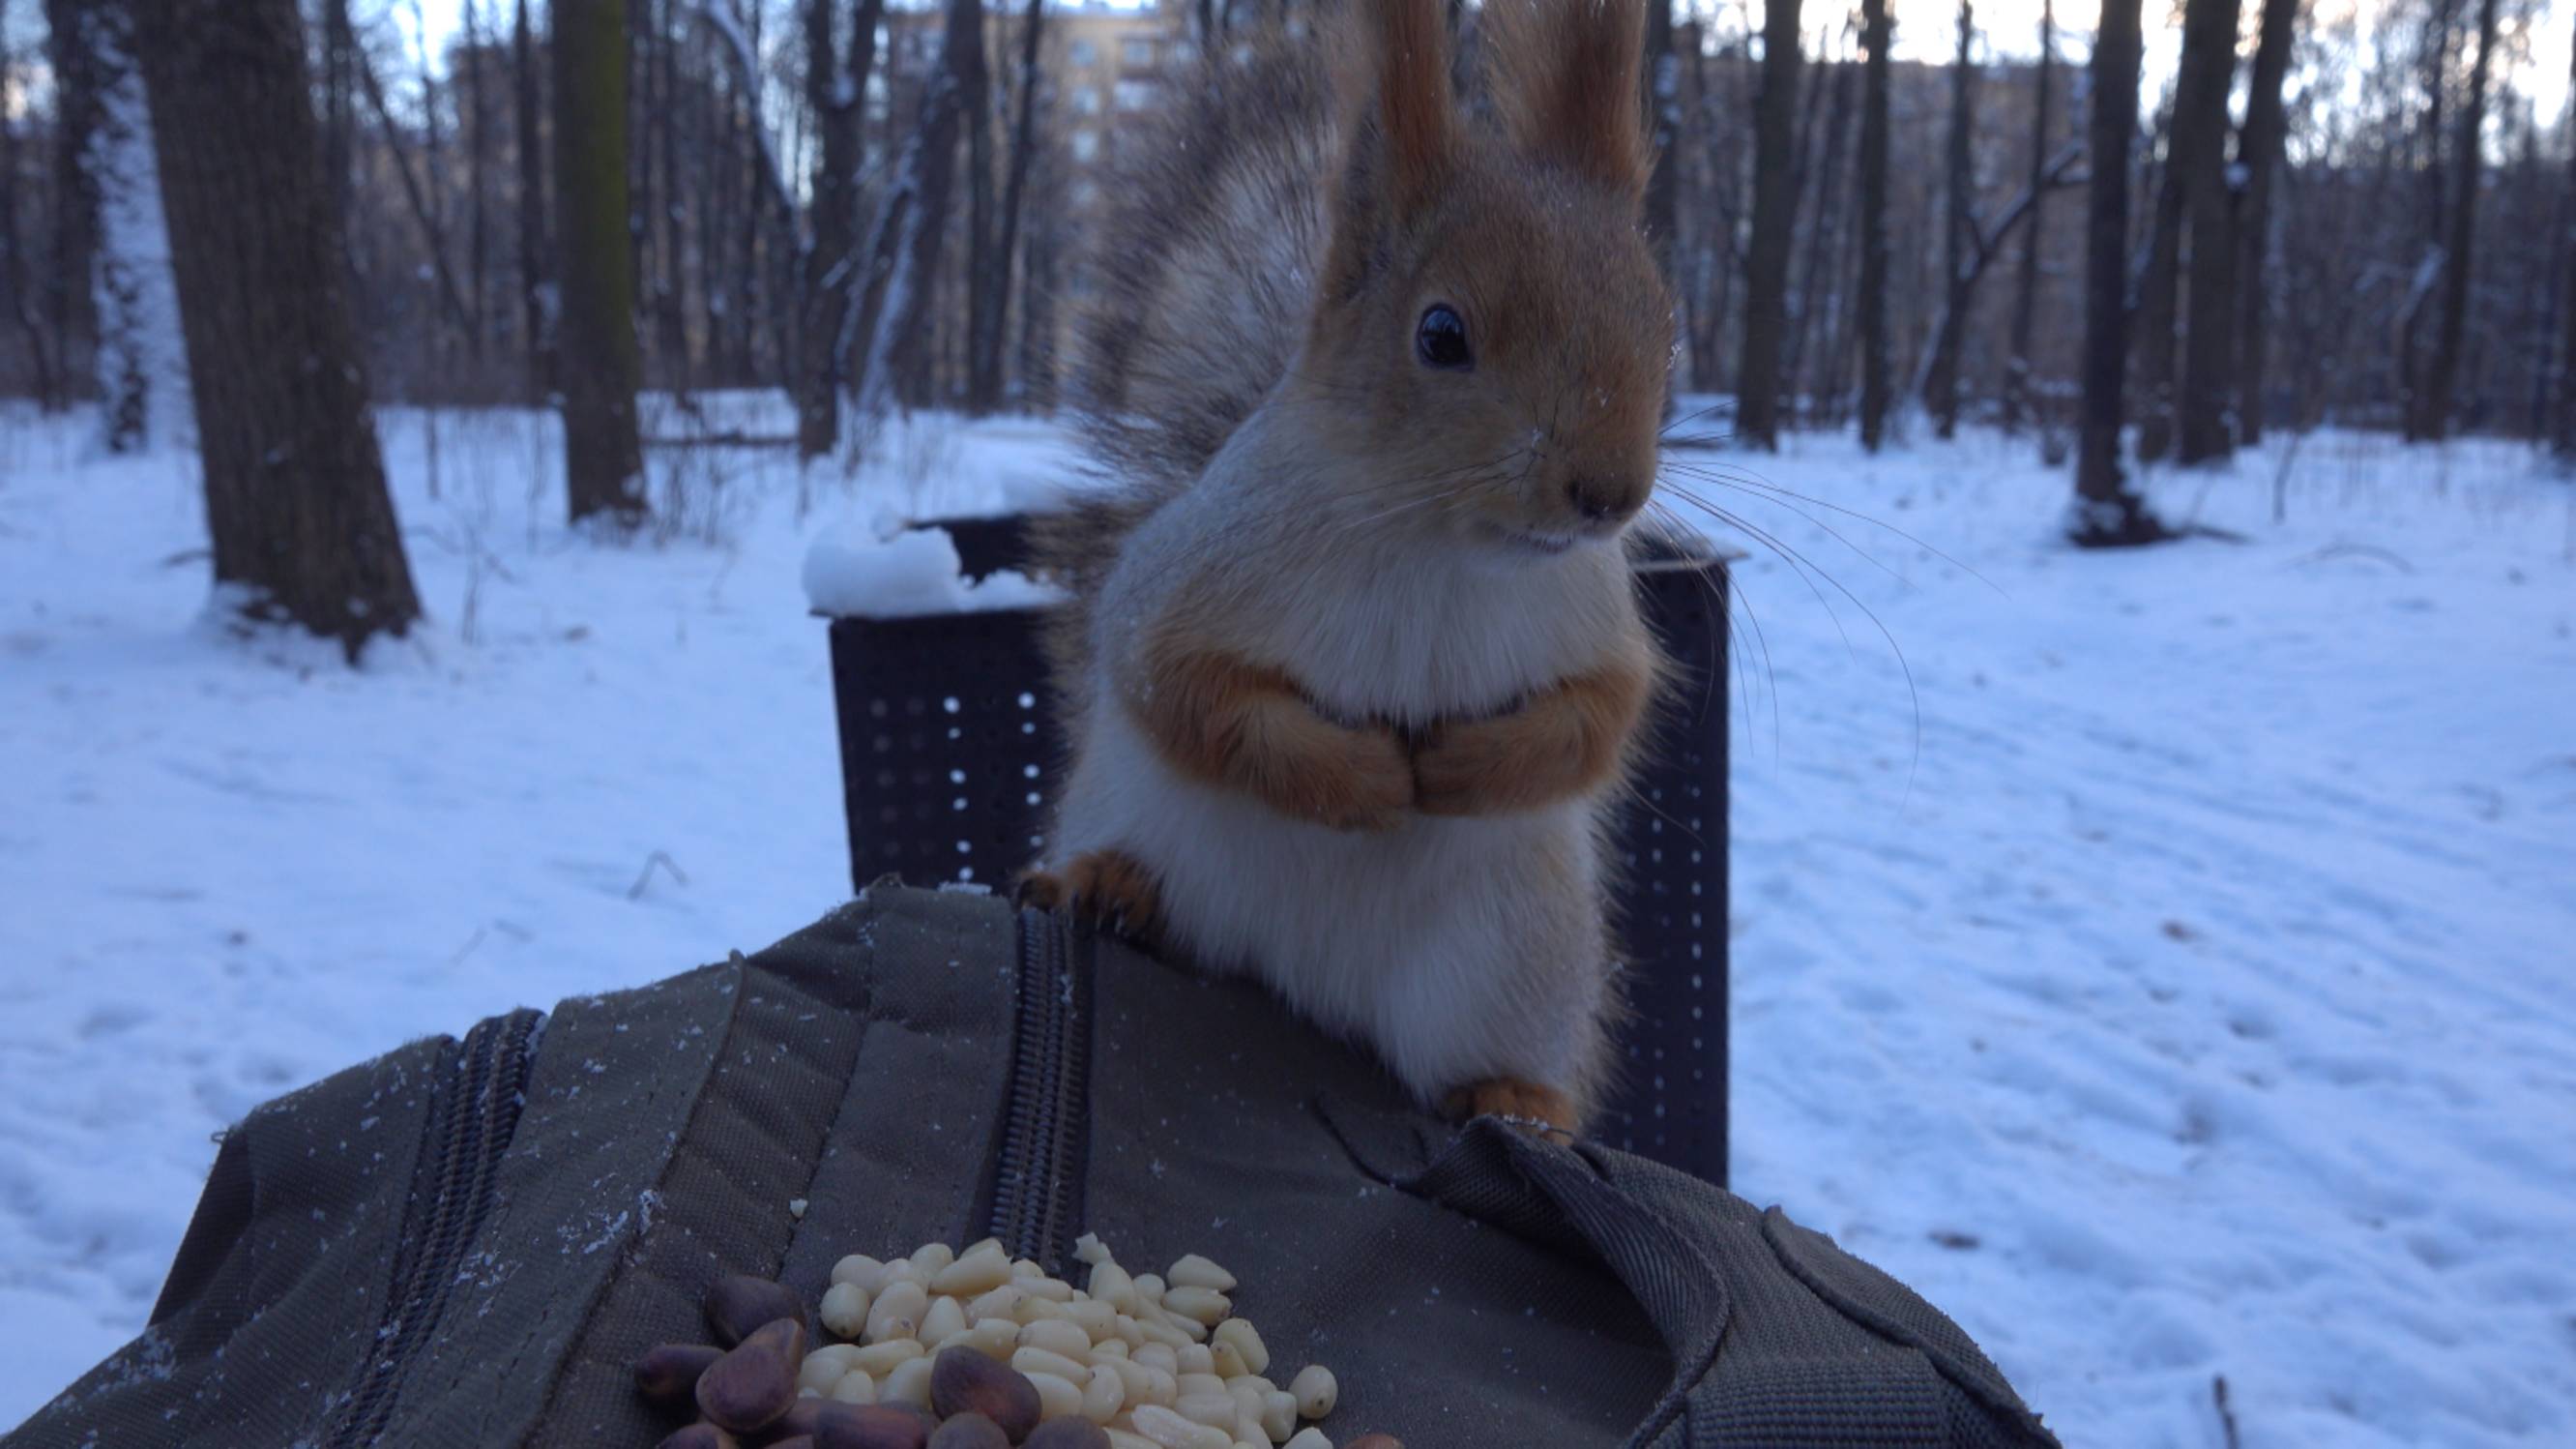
(1375,1441)
(802,1417)
(668,1372)
(970,1431)
(754,1384)
(871,1426)
(737,1303)
(963,1381)
(701,1436)
(1067,1434)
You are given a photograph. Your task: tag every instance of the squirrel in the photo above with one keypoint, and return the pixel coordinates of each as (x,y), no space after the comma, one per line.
(1353,667)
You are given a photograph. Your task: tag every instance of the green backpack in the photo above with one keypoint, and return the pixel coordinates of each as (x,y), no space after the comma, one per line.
(468,1243)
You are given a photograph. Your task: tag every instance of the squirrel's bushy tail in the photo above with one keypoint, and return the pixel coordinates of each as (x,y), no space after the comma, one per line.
(1203,280)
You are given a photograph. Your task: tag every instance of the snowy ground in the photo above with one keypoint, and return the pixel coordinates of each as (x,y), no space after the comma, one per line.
(2173,983)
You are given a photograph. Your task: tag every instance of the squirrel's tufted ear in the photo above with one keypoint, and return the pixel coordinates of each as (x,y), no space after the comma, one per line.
(1398,60)
(1562,75)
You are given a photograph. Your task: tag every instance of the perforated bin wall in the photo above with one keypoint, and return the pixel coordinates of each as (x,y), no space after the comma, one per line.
(1671,1101)
(948,744)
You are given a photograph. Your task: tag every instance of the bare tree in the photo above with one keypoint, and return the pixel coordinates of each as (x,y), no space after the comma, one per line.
(2564,442)
(14,272)
(303,528)
(527,106)
(2108,513)
(72,309)
(2458,259)
(1877,33)
(1775,205)
(984,384)
(903,249)
(2025,307)
(1662,78)
(142,372)
(2435,62)
(478,163)
(2208,394)
(2259,152)
(1958,232)
(600,365)
(836,85)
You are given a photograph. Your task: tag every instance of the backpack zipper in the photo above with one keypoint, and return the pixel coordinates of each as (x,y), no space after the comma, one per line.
(1036,1201)
(468,1129)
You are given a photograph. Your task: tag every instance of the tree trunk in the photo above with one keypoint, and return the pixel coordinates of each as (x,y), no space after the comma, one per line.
(2259,151)
(478,180)
(303,528)
(1959,236)
(1820,287)
(2443,375)
(1775,205)
(984,298)
(14,272)
(986,362)
(1662,77)
(2025,307)
(142,370)
(904,244)
(72,304)
(601,369)
(2564,440)
(2195,172)
(537,314)
(2208,365)
(1878,32)
(2153,327)
(2107,512)
(837,91)
(2410,350)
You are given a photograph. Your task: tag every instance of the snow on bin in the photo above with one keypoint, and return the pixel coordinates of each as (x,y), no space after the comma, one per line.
(949,745)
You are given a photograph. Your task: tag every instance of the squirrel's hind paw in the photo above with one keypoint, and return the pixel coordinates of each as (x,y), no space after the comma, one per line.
(1541,1111)
(1110,889)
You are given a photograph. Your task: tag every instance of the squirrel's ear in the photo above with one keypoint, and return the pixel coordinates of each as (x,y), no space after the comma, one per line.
(1563,78)
(1399,61)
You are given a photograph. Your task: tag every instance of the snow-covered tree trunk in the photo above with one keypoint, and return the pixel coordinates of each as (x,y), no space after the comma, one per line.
(903,250)
(142,363)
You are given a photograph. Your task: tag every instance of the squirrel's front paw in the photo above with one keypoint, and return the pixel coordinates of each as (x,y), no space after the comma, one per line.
(1377,785)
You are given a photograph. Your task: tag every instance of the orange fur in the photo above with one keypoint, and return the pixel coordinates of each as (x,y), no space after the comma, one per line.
(1247,727)
(1569,741)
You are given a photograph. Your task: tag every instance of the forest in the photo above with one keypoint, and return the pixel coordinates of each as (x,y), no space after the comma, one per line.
(2142,245)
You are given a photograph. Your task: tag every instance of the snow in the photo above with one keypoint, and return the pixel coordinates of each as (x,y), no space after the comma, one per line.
(869,574)
(2170,981)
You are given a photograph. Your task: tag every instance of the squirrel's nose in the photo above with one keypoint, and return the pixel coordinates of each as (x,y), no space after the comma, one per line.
(1602,499)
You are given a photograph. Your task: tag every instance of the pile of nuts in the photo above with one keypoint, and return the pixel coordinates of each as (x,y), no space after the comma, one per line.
(972,1350)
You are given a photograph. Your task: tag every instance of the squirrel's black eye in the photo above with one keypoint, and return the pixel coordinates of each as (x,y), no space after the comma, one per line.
(1441,340)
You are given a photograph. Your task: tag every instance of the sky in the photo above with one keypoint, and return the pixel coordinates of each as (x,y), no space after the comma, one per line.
(1926,30)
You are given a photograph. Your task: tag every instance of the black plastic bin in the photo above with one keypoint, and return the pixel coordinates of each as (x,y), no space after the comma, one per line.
(948,742)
